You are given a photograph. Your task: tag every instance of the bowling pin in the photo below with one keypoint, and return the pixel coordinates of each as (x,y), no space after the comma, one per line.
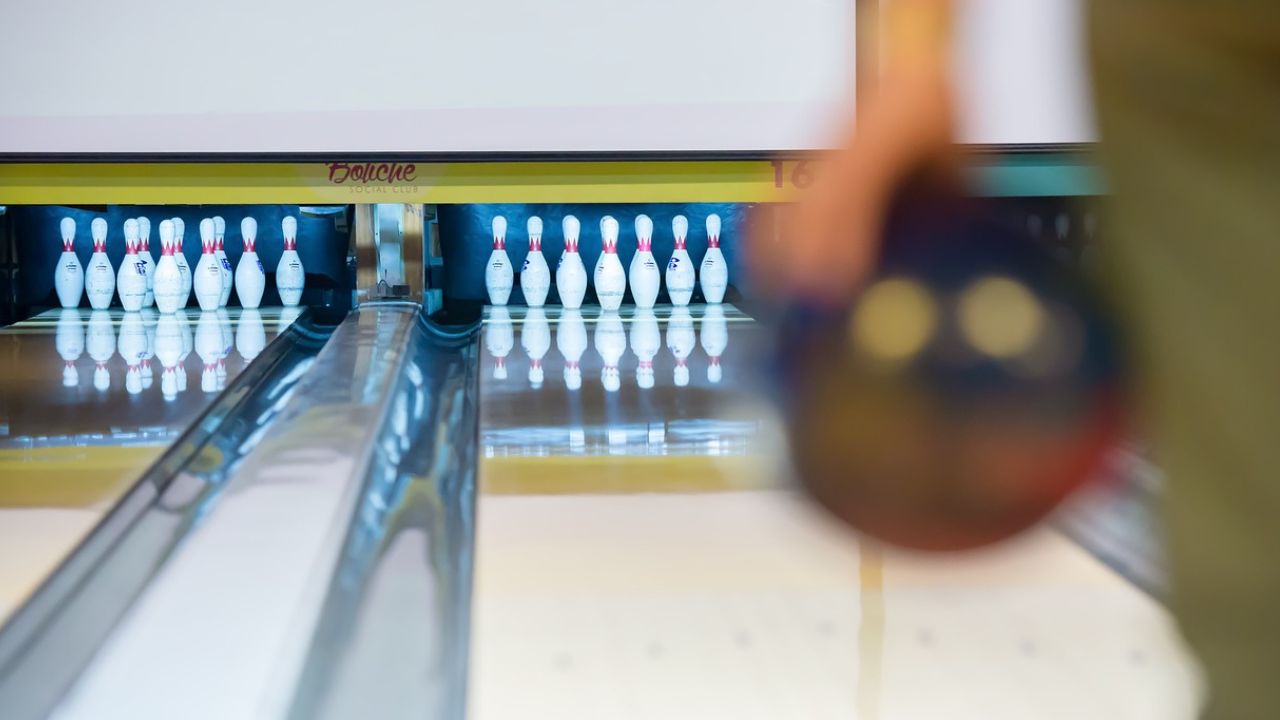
(180,257)
(498,276)
(99,276)
(208,274)
(571,341)
(209,348)
(611,345)
(133,348)
(68,278)
(131,281)
(681,339)
(224,265)
(646,341)
(535,276)
(610,278)
(643,275)
(715,338)
(102,345)
(499,337)
(535,338)
(144,254)
(251,279)
(681,277)
(571,273)
(168,278)
(290,276)
(715,271)
(69,340)
(251,335)
(168,347)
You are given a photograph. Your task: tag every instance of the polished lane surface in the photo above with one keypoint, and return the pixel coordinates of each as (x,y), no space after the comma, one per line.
(638,557)
(88,401)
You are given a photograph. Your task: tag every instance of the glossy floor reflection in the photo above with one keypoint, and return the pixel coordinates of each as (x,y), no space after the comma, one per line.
(639,555)
(89,400)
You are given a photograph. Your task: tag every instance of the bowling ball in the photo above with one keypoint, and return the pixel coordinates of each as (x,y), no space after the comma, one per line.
(971,385)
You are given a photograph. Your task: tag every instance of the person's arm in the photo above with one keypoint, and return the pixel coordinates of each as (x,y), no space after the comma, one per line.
(906,123)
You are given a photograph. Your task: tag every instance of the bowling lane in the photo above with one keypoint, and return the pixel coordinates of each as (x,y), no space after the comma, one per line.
(79,424)
(637,556)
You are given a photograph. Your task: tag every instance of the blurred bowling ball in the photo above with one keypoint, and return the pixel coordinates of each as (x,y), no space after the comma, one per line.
(971,386)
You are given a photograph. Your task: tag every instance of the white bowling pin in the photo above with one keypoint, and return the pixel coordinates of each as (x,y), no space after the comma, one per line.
(209,348)
(610,278)
(68,278)
(144,254)
(715,338)
(208,275)
(180,257)
(290,276)
(101,343)
(168,348)
(224,265)
(131,281)
(611,345)
(646,341)
(535,338)
(99,276)
(571,341)
(499,338)
(571,273)
(251,279)
(681,340)
(715,271)
(69,340)
(498,276)
(681,277)
(251,336)
(535,276)
(168,278)
(133,348)
(643,275)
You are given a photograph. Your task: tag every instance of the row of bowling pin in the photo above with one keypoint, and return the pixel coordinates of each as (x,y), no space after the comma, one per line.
(168,338)
(609,279)
(610,341)
(169,283)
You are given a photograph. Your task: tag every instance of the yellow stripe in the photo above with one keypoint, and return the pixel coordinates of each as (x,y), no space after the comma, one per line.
(337,183)
(606,475)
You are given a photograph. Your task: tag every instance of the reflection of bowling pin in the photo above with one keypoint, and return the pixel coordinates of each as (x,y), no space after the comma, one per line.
(102,345)
(168,278)
(290,276)
(224,265)
(69,339)
(208,274)
(251,279)
(715,271)
(610,278)
(168,350)
(188,344)
(68,279)
(209,348)
(643,276)
(287,317)
(681,339)
(144,254)
(133,348)
(611,344)
(715,338)
(180,257)
(571,341)
(251,336)
(131,281)
(681,276)
(535,338)
(228,342)
(571,273)
(535,276)
(99,276)
(149,319)
(498,276)
(500,338)
(646,341)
